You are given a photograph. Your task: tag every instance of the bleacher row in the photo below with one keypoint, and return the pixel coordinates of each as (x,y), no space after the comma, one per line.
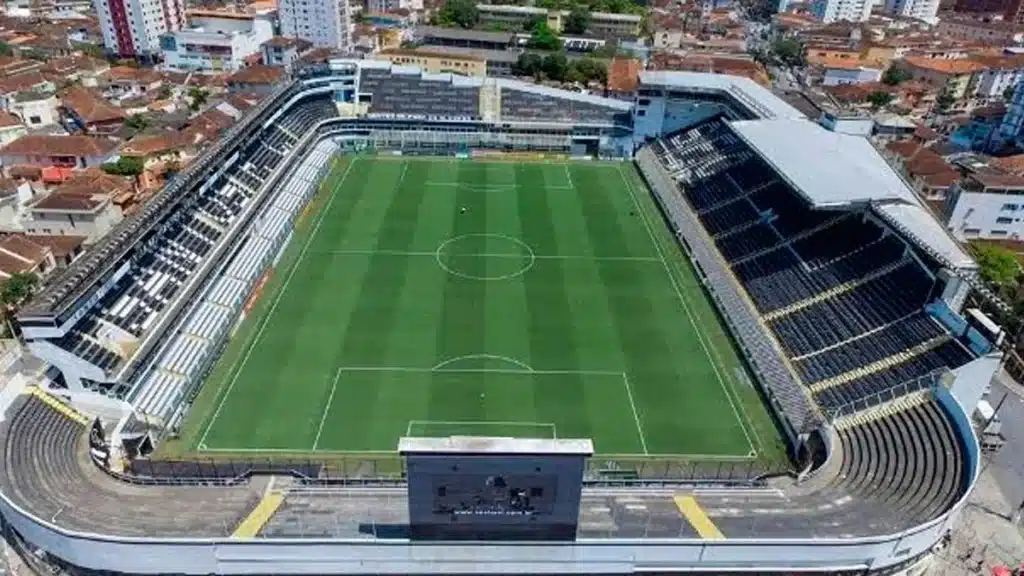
(843,296)
(126,312)
(196,340)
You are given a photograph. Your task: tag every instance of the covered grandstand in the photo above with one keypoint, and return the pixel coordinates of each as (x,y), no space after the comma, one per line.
(873,405)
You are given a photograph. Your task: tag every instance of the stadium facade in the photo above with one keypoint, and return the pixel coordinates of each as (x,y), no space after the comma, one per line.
(873,407)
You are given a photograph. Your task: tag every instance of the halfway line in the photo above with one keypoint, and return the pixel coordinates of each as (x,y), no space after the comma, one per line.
(486,255)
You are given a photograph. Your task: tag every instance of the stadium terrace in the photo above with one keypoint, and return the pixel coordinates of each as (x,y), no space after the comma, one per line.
(658,264)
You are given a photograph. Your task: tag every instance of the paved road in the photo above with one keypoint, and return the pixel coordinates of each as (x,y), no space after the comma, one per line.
(1007,466)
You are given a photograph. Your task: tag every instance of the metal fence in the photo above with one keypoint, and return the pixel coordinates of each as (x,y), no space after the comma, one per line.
(925,382)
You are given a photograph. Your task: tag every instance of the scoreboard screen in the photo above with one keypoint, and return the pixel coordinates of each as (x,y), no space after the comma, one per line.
(464,488)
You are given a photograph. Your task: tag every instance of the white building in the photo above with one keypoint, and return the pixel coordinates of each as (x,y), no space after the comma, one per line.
(216,41)
(925,10)
(132,28)
(325,23)
(987,206)
(1000,74)
(835,10)
(393,5)
(842,74)
(1012,127)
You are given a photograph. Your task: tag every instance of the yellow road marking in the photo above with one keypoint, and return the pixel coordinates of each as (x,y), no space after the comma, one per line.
(695,515)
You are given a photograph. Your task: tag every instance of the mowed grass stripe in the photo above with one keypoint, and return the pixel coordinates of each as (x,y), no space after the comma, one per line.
(552,343)
(385,308)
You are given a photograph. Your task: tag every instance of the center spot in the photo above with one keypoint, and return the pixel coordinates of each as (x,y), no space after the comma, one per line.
(485,256)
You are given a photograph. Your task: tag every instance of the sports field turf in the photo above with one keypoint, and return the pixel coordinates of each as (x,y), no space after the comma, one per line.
(437,297)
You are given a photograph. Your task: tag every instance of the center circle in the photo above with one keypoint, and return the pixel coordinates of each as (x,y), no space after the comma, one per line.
(467,256)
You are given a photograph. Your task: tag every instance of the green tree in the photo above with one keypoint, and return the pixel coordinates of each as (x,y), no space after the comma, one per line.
(197,98)
(543,38)
(93,50)
(590,70)
(895,76)
(462,13)
(944,101)
(997,265)
(1008,93)
(137,122)
(18,288)
(5,49)
(164,93)
(577,21)
(528,64)
(789,52)
(125,166)
(879,99)
(556,66)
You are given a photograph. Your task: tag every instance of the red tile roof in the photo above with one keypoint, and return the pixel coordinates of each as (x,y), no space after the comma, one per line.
(624,75)
(90,107)
(257,75)
(59,146)
(7,120)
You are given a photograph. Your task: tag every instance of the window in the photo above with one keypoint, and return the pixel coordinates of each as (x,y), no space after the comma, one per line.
(972,231)
(1003,220)
(998,232)
(35,120)
(1010,207)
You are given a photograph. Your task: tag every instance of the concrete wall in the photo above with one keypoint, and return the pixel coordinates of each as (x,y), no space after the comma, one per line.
(984,215)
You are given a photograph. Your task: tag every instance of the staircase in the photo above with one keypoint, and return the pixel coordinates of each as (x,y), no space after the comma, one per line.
(490,101)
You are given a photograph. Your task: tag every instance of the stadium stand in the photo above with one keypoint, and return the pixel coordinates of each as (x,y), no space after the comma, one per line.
(835,287)
(779,262)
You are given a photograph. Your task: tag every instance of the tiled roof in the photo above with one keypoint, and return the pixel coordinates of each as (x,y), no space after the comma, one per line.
(58,146)
(60,245)
(154,144)
(67,202)
(7,120)
(207,126)
(945,66)
(20,82)
(130,74)
(624,74)
(257,75)
(90,107)
(288,42)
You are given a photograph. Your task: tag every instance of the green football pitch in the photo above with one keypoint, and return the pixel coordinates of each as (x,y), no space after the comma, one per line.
(439,297)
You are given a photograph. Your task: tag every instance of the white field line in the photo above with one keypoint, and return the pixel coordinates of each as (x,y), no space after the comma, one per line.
(355,252)
(568,176)
(327,408)
(598,456)
(742,420)
(482,423)
(636,417)
(477,370)
(277,300)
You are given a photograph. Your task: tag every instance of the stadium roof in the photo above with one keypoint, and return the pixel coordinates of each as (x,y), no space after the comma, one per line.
(495,445)
(846,170)
(751,94)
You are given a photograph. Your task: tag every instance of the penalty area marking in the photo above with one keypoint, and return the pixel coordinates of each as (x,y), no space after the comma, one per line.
(482,423)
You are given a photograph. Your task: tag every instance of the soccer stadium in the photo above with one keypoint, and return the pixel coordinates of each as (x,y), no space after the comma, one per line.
(411,323)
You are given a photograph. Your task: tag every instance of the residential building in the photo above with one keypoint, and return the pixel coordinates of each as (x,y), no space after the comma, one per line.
(36,109)
(87,112)
(1012,127)
(954,77)
(129,82)
(260,79)
(216,41)
(11,86)
(82,206)
(64,151)
(496,62)
(846,72)
(283,51)
(981,132)
(11,128)
(1001,73)
(325,23)
(459,38)
(12,66)
(926,170)
(838,10)
(393,5)
(82,69)
(995,32)
(65,248)
(19,254)
(925,10)
(436,63)
(160,154)
(987,204)
(132,28)
(601,23)
(623,78)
